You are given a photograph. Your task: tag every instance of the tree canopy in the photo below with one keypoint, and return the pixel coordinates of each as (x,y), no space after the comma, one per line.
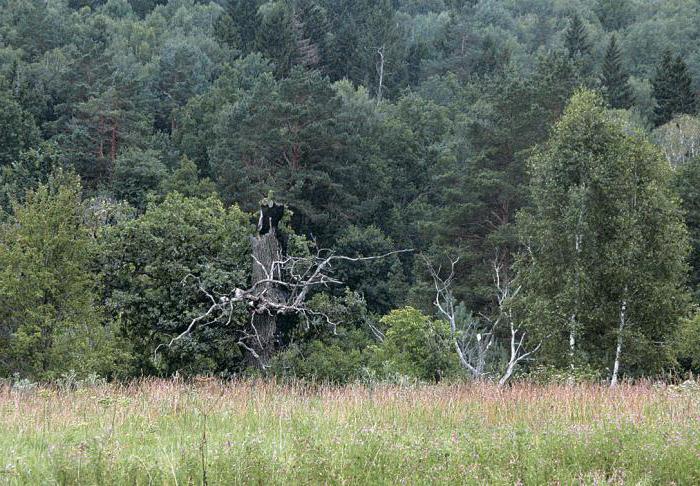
(593,274)
(553,143)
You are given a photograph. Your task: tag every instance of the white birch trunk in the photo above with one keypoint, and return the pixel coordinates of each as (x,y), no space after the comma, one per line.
(513,359)
(380,71)
(572,342)
(618,350)
(572,324)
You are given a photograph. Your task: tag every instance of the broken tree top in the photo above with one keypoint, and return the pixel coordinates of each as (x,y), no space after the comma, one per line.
(271,214)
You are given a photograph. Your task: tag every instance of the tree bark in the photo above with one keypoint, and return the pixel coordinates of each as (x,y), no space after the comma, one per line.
(113,148)
(380,72)
(618,350)
(266,250)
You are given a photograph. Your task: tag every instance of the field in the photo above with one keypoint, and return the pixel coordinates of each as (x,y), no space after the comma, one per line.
(176,433)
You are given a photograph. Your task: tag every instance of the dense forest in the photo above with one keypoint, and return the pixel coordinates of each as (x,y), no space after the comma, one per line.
(463,188)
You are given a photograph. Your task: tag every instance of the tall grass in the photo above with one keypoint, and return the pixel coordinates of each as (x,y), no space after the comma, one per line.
(256,432)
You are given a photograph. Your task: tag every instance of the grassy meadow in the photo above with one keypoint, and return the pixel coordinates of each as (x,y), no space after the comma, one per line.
(210,432)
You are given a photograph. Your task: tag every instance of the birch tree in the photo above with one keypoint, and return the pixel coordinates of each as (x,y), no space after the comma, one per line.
(679,139)
(604,260)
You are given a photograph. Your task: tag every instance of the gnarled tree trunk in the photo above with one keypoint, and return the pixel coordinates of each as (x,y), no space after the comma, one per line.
(267,253)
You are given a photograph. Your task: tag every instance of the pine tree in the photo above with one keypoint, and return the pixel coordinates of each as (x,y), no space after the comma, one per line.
(278,35)
(614,14)
(672,89)
(311,25)
(239,24)
(18,131)
(663,89)
(615,79)
(576,39)
(684,82)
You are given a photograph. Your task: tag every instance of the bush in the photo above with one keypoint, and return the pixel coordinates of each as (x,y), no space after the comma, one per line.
(321,352)
(50,321)
(415,346)
(687,345)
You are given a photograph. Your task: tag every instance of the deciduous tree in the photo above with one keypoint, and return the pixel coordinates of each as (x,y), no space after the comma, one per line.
(50,320)
(593,274)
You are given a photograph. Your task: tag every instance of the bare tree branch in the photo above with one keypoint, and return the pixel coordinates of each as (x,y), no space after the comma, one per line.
(295,276)
(473,340)
(471,343)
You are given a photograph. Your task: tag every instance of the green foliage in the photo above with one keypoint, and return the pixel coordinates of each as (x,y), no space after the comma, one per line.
(194,134)
(359,29)
(479,185)
(673,89)
(381,282)
(18,131)
(185,180)
(138,173)
(33,167)
(238,26)
(415,346)
(680,141)
(615,79)
(687,345)
(614,14)
(597,187)
(281,136)
(687,185)
(51,322)
(152,269)
(576,39)
(275,36)
(381,125)
(333,353)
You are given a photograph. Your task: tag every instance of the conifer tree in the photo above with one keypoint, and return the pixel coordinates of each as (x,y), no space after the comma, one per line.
(576,39)
(18,131)
(615,79)
(614,14)
(239,24)
(672,89)
(276,36)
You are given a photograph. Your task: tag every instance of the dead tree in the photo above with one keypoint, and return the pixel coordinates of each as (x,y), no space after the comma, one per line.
(280,286)
(473,341)
(266,250)
(380,74)
(504,295)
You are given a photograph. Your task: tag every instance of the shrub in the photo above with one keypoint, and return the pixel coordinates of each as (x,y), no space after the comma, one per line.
(49,318)
(415,346)
(334,354)
(687,345)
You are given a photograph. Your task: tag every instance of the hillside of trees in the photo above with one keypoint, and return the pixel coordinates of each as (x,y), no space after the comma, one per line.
(471,188)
